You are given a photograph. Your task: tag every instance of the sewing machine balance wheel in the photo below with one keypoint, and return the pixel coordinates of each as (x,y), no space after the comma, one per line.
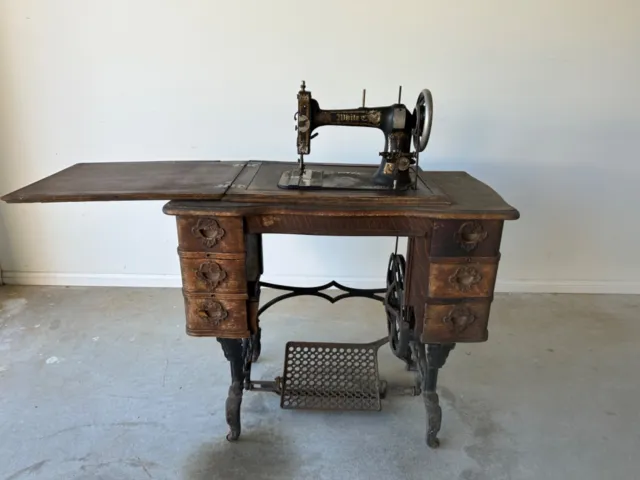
(398,323)
(424,117)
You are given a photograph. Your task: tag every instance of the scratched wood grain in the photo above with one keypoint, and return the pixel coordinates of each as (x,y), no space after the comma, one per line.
(112,181)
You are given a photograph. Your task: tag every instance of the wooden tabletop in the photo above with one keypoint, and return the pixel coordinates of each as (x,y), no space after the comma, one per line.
(110,181)
(254,185)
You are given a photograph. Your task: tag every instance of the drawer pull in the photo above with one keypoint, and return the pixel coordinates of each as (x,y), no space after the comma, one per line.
(459,318)
(213,312)
(470,235)
(211,274)
(209,231)
(465,278)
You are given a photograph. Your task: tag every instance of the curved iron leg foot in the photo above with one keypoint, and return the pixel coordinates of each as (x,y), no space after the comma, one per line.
(434,418)
(234,352)
(429,361)
(232,411)
(256,345)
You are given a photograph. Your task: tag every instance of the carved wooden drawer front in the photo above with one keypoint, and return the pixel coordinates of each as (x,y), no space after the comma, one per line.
(462,279)
(209,234)
(464,321)
(206,273)
(216,315)
(468,238)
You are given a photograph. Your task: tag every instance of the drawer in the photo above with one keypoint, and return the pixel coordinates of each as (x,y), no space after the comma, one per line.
(466,238)
(451,278)
(223,316)
(458,322)
(209,272)
(211,234)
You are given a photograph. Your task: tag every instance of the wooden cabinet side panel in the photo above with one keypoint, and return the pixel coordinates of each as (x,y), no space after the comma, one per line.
(450,282)
(417,278)
(213,263)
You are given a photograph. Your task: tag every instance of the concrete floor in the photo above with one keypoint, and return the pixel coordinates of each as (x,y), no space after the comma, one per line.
(103,383)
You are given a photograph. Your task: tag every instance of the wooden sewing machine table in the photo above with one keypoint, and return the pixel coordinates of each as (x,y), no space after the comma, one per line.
(439,297)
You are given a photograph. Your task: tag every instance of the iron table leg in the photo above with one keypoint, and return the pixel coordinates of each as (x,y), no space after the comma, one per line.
(257,344)
(428,363)
(235,352)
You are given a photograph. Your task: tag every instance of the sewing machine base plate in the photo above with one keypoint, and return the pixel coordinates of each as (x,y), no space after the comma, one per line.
(332,376)
(326,179)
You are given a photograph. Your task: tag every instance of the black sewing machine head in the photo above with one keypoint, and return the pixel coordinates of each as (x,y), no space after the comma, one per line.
(401,127)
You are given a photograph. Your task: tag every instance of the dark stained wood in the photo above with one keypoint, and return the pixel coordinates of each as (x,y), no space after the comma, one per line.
(204,273)
(417,281)
(254,268)
(454,224)
(461,322)
(353,226)
(216,315)
(263,187)
(251,186)
(244,179)
(434,280)
(466,238)
(471,197)
(226,208)
(254,260)
(163,180)
(216,261)
(462,280)
(211,234)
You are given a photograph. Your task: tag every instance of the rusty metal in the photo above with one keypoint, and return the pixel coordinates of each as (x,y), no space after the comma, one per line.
(235,351)
(331,180)
(459,318)
(372,293)
(464,278)
(209,231)
(332,376)
(470,235)
(401,128)
(213,312)
(211,274)
(272,386)
(399,315)
(430,360)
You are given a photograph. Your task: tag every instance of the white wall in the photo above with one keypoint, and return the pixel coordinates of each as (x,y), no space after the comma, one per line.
(540,99)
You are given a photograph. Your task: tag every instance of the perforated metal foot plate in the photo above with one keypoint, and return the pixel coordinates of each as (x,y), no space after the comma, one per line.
(331,376)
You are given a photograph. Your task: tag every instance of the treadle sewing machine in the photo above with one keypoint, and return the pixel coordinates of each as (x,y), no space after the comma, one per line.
(400,126)
(439,296)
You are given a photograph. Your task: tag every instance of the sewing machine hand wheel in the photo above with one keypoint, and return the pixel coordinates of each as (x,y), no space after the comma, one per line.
(424,116)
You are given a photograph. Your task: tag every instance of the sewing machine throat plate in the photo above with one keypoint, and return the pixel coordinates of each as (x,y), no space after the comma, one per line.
(314,179)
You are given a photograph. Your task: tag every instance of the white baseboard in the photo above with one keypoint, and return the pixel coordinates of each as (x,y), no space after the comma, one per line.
(92,279)
(174,281)
(568,286)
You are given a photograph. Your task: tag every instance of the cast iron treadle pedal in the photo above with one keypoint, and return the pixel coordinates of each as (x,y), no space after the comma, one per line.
(332,376)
